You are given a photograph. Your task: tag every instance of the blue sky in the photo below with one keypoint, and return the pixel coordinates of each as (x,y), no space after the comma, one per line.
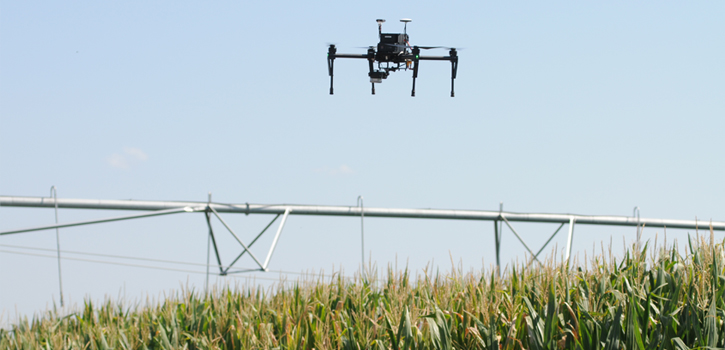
(576,107)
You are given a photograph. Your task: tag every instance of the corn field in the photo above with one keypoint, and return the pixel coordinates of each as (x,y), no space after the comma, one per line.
(649,298)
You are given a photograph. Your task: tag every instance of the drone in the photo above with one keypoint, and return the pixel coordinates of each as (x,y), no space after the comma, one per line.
(394,53)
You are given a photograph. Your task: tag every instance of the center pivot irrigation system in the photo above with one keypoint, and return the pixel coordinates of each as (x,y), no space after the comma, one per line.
(209,209)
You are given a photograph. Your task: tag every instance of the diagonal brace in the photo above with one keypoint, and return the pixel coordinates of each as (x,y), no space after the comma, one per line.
(236,237)
(547,242)
(98,221)
(252,243)
(520,239)
(276,238)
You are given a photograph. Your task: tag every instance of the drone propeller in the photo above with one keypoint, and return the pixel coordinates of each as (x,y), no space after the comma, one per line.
(423,47)
(436,47)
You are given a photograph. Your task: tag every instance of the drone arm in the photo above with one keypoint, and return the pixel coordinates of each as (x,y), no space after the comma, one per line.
(348,55)
(434,58)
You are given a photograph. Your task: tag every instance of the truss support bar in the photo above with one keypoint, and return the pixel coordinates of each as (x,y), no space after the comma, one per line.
(276,238)
(520,239)
(329,210)
(545,244)
(246,249)
(549,240)
(570,238)
(252,243)
(118,218)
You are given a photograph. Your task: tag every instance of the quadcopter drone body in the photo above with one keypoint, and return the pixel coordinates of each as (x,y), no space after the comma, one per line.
(393,53)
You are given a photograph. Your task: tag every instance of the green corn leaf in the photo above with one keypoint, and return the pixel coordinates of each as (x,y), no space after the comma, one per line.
(550,327)
(163,339)
(434,333)
(534,327)
(535,341)
(405,330)
(348,340)
(710,331)
(633,331)
(445,330)
(615,331)
(679,344)
(394,341)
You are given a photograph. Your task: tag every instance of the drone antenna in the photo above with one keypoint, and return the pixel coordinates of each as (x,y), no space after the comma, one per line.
(405,27)
(380,27)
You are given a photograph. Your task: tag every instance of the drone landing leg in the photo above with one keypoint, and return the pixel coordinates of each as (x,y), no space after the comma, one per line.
(453,94)
(371,59)
(416,52)
(453,77)
(331,63)
(415,75)
(454,69)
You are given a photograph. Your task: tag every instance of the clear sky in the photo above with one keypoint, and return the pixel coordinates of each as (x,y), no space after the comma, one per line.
(561,106)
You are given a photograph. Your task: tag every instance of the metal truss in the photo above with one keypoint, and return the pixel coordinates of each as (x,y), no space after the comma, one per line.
(211,209)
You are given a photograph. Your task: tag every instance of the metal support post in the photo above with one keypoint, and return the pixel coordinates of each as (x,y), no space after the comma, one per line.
(207,214)
(208,256)
(276,238)
(498,247)
(54,194)
(208,249)
(362,228)
(570,238)
(497,233)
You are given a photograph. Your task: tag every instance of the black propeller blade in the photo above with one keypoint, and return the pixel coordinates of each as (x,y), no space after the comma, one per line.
(423,47)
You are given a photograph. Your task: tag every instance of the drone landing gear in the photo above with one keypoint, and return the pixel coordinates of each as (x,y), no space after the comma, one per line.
(452,57)
(415,75)
(416,54)
(331,63)
(371,59)
(453,54)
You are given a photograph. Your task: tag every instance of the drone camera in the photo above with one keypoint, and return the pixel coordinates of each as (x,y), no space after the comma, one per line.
(378,76)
